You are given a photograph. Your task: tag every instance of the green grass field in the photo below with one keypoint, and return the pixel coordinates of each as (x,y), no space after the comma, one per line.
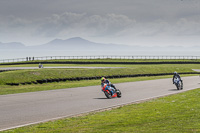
(21,76)
(5,89)
(175,113)
(38,74)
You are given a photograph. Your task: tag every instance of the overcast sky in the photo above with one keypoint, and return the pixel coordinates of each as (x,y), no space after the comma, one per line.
(132,22)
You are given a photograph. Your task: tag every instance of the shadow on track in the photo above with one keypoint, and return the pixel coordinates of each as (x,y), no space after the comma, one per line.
(101,98)
(173,90)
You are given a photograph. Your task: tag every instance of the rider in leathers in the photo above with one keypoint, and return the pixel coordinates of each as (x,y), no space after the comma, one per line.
(106,81)
(176,75)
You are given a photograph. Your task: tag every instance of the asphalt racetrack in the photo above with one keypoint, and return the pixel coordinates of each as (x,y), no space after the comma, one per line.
(18,110)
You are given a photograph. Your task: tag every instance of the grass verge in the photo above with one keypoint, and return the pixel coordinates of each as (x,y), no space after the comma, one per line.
(174,113)
(5,89)
(21,76)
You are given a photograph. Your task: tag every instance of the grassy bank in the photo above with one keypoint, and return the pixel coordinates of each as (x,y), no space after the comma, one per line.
(39,74)
(5,89)
(21,76)
(175,113)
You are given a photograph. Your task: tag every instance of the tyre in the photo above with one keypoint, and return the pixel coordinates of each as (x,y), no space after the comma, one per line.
(119,94)
(178,86)
(181,85)
(108,95)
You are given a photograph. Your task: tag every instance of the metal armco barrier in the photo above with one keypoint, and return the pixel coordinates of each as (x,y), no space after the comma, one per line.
(29,59)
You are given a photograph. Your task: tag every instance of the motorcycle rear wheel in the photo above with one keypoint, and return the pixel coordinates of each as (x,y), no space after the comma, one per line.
(108,95)
(179,86)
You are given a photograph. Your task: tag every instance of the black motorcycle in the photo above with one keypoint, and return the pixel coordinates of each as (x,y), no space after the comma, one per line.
(178,83)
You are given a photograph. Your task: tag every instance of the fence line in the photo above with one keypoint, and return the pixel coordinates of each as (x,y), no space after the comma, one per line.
(99,57)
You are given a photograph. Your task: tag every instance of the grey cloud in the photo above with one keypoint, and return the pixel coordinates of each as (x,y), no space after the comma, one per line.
(109,24)
(94,25)
(99,19)
(74,24)
(138,9)
(187,27)
(54,25)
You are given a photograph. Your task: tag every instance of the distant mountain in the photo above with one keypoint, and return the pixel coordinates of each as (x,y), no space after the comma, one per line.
(12,45)
(78,43)
(75,43)
(72,42)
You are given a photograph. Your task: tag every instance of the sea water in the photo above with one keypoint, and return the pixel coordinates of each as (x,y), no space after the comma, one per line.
(23,53)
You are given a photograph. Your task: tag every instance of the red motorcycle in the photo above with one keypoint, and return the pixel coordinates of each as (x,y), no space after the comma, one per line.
(110,92)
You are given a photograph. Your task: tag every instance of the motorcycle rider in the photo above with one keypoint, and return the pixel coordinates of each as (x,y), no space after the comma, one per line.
(176,76)
(106,81)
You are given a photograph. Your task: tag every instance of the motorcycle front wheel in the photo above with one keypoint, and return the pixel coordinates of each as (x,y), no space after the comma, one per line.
(181,84)
(119,94)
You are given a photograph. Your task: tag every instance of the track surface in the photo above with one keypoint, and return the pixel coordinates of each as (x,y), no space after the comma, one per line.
(18,110)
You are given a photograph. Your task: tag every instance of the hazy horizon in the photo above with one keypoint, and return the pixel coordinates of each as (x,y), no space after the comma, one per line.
(6,54)
(101,43)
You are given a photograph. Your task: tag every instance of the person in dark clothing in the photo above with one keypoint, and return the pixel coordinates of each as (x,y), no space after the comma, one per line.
(176,76)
